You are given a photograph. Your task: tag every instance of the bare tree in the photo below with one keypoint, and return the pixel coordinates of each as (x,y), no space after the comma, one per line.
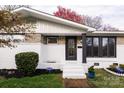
(108,27)
(11,23)
(95,22)
(12,7)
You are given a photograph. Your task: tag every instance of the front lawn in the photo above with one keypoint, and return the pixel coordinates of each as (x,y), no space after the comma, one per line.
(41,81)
(104,79)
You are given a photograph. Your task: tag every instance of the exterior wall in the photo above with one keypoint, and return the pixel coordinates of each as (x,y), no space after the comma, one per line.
(46,27)
(32,42)
(54,54)
(120,49)
(50,55)
(47,52)
(33,38)
(7,57)
(103,62)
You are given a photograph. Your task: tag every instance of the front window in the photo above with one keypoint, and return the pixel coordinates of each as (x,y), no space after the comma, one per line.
(104,47)
(89,46)
(101,46)
(95,46)
(52,40)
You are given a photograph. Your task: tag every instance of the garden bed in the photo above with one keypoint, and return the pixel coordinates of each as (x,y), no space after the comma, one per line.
(9,73)
(104,79)
(113,72)
(116,69)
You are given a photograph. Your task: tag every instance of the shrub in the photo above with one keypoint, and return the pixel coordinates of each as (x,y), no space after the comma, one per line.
(112,67)
(121,66)
(115,64)
(27,62)
(91,69)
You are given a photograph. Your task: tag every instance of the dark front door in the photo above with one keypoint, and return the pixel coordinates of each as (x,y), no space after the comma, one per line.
(71,49)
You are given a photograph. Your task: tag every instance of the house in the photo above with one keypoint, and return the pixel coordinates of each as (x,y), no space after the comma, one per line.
(66,45)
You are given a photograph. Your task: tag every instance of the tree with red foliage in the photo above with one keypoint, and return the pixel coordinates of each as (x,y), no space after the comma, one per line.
(95,22)
(69,15)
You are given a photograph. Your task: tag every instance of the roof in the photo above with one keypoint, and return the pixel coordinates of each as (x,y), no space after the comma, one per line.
(106,33)
(45,16)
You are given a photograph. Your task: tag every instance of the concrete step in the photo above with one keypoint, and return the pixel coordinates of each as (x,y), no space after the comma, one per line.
(73,71)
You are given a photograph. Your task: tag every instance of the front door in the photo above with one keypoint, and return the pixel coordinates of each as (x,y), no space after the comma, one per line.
(71,48)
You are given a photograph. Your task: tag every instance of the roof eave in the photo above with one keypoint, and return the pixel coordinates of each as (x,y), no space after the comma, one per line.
(54,18)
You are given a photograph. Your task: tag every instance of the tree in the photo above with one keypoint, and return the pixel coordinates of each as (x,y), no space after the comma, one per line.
(68,14)
(95,22)
(108,27)
(12,7)
(11,23)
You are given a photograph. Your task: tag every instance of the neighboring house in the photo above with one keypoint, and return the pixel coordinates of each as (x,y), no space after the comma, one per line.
(62,43)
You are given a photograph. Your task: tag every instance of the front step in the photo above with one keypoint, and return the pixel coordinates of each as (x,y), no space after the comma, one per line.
(73,71)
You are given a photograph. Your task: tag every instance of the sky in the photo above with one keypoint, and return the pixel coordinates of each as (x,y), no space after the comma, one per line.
(111,14)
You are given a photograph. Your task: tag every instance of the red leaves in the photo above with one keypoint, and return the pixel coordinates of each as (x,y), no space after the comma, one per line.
(68,14)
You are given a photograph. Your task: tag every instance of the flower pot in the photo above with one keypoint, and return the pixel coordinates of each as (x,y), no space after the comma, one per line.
(91,74)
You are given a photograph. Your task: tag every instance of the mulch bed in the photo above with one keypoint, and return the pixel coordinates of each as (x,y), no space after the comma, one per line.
(8,73)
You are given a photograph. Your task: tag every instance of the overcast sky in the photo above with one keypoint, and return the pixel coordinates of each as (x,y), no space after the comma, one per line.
(113,15)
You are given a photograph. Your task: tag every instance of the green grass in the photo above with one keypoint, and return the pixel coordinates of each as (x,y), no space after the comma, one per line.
(104,79)
(41,81)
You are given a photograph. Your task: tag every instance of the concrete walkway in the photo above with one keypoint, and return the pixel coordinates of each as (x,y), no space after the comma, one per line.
(76,83)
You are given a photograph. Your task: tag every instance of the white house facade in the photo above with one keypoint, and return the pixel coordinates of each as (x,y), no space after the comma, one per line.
(65,44)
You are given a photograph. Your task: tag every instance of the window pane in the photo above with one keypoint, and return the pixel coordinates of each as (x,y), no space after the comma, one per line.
(71,47)
(104,46)
(71,50)
(111,47)
(89,46)
(95,46)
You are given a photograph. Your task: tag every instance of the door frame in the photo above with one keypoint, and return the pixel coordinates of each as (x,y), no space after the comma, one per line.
(66,48)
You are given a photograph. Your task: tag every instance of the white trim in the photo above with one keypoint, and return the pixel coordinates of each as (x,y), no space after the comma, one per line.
(113,72)
(118,33)
(38,14)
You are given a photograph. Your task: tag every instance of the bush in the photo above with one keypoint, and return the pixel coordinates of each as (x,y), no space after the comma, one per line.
(91,69)
(121,66)
(112,67)
(27,62)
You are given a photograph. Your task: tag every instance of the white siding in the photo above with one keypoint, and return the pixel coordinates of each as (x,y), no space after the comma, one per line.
(7,55)
(103,62)
(120,54)
(54,28)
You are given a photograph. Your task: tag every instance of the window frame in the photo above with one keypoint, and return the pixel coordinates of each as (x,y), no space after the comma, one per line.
(100,52)
(48,37)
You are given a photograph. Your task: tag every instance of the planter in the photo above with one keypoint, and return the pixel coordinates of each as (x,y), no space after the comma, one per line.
(91,74)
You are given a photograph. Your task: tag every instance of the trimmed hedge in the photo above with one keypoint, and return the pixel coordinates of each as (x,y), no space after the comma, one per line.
(27,62)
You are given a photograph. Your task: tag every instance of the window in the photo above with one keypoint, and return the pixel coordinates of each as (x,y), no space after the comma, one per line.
(104,47)
(101,46)
(89,46)
(111,47)
(51,40)
(95,46)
